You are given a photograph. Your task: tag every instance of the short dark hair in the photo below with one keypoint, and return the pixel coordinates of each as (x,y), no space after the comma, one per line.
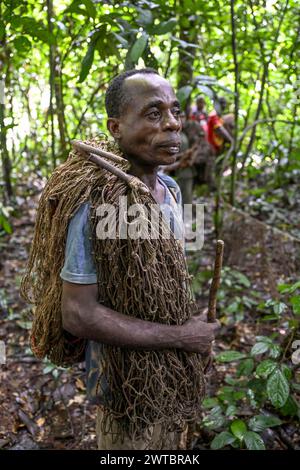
(115,98)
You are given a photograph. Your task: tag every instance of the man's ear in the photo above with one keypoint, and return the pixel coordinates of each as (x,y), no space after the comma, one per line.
(113,125)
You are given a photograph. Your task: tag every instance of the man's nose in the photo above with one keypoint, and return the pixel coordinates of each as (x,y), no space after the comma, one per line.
(170,122)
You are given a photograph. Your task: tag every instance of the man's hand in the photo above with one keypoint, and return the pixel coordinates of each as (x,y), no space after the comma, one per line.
(198,335)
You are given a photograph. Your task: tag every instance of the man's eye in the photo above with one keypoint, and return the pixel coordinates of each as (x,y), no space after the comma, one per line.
(154,115)
(176,112)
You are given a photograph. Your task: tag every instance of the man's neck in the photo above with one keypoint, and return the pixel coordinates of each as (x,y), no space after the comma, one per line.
(147,174)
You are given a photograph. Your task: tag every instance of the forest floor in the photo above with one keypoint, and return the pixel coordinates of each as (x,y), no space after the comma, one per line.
(44,407)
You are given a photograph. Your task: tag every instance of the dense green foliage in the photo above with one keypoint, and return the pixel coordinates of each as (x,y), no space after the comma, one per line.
(56,59)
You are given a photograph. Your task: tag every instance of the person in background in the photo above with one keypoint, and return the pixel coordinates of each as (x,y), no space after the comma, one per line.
(186,173)
(195,163)
(218,135)
(199,114)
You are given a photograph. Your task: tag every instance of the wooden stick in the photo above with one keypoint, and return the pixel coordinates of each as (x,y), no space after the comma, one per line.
(78,145)
(212,301)
(89,152)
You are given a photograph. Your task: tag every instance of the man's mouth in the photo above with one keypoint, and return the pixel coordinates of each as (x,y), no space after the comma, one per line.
(170,147)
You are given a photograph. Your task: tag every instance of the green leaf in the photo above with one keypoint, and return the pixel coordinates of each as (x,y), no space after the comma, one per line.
(260,422)
(183,93)
(164,27)
(233,307)
(277,388)
(138,47)
(287,371)
(287,288)
(264,339)
(231,410)
(43,35)
(253,441)
(295,301)
(238,428)
(26,325)
(275,351)
(90,8)
(230,380)
(259,348)
(22,44)
(245,367)
(35,29)
(215,419)
(87,61)
(241,278)
(279,308)
(239,395)
(290,408)
(230,356)
(265,368)
(5,224)
(209,403)
(145,17)
(221,440)
(48,369)
(2,30)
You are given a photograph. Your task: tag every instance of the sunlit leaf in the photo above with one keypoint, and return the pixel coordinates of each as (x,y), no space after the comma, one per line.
(138,47)
(230,356)
(87,61)
(254,441)
(277,388)
(238,428)
(260,422)
(221,440)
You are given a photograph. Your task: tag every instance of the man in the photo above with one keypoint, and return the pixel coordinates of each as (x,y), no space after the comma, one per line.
(217,134)
(107,299)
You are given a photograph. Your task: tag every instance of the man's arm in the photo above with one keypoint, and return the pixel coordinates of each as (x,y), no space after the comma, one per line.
(84,317)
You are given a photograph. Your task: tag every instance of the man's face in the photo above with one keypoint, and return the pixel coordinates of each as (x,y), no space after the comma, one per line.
(223,104)
(200,104)
(148,130)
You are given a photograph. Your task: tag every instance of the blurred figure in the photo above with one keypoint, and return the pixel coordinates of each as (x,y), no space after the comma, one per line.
(218,134)
(229,123)
(199,114)
(184,139)
(195,163)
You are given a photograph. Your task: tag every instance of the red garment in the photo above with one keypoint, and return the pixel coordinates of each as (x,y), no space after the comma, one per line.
(214,122)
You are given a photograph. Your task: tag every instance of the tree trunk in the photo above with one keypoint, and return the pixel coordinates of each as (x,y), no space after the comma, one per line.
(6,163)
(236,103)
(5,159)
(60,110)
(51,80)
(186,56)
